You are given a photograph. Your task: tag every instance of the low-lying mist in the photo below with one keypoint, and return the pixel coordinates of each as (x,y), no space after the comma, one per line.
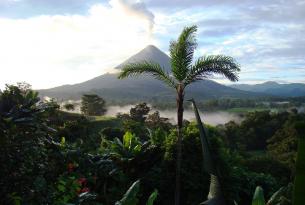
(212,118)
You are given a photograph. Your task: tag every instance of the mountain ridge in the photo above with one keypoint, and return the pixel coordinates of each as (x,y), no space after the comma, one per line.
(142,88)
(274,88)
(150,53)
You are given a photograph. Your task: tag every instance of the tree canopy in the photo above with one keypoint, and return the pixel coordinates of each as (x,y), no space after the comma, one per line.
(93,105)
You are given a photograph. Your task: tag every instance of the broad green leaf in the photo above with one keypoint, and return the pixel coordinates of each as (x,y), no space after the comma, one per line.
(63,141)
(152,198)
(258,197)
(127,138)
(276,196)
(208,161)
(137,148)
(130,197)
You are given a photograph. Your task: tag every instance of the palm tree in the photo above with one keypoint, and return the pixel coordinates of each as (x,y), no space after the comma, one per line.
(183,73)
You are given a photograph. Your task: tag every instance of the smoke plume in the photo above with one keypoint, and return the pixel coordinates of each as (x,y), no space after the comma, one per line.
(136,8)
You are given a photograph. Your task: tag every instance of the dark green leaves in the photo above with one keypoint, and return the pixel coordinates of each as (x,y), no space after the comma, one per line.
(299,181)
(300,128)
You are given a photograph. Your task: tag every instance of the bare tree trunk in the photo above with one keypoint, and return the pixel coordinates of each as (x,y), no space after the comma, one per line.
(180,96)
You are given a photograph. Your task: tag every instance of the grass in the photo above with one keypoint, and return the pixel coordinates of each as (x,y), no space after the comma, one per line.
(101,118)
(97,123)
(100,122)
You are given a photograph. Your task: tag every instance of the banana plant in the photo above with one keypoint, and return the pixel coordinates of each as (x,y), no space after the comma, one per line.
(215,195)
(127,148)
(130,197)
(280,197)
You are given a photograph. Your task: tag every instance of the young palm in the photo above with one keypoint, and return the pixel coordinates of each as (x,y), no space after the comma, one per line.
(183,73)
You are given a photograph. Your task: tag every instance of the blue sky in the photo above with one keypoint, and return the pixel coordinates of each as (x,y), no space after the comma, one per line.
(53,42)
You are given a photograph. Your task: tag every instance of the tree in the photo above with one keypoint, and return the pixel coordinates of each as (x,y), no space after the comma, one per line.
(183,73)
(93,105)
(134,121)
(139,112)
(69,106)
(283,144)
(24,139)
(155,121)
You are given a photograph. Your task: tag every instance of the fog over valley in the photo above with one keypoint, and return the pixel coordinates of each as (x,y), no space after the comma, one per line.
(211,118)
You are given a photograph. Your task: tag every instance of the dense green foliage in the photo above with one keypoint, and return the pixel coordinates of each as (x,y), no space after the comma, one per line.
(299,182)
(54,157)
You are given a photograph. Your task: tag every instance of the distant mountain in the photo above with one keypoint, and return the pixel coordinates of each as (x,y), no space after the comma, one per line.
(149,53)
(142,88)
(274,88)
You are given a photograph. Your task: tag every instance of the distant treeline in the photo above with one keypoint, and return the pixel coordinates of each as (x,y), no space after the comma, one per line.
(228,103)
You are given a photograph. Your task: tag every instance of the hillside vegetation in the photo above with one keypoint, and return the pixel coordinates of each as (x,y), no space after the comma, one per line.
(53,157)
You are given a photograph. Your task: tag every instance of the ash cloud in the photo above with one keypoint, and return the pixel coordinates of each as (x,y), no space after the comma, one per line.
(136,8)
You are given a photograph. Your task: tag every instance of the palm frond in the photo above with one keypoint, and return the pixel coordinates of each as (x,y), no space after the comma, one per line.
(213,64)
(182,52)
(154,69)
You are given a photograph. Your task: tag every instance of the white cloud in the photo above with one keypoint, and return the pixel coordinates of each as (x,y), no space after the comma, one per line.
(47,50)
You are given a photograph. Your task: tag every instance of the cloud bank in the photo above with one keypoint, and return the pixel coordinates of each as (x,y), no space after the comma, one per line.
(51,50)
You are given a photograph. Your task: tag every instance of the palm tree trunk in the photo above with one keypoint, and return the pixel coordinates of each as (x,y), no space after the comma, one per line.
(180,97)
